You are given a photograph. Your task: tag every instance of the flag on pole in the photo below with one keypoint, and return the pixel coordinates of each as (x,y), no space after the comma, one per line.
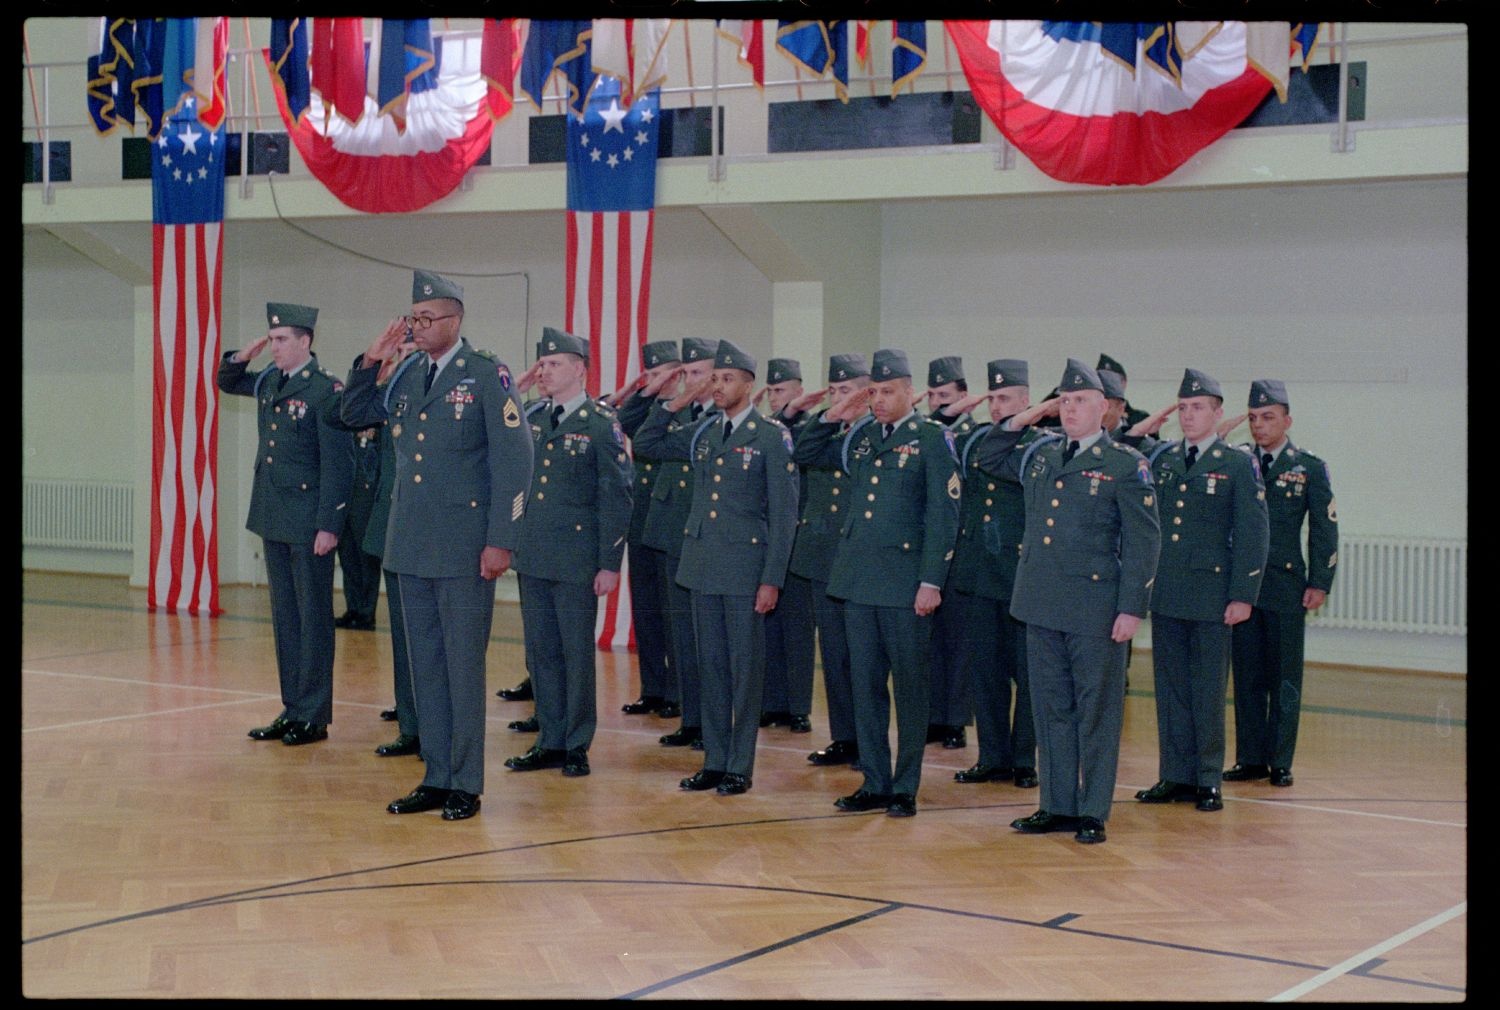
(337,66)
(558,47)
(749,38)
(611,201)
(908,53)
(187,257)
(819,47)
(632,50)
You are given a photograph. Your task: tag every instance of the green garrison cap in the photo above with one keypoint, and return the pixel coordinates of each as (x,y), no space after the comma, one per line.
(1079,376)
(843,367)
(1108,364)
(659,353)
(941,371)
(698,348)
(287,314)
(1113,383)
(890,363)
(730,356)
(1196,383)
(427,286)
(1007,372)
(783,370)
(558,342)
(1264,392)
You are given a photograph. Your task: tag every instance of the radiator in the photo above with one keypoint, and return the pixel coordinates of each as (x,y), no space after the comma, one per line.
(1399,584)
(76,513)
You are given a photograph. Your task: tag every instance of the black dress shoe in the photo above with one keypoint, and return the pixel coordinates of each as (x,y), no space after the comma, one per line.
(1043,823)
(902,805)
(1246,773)
(419,799)
(840,752)
(521,692)
(1090,831)
(346,619)
(1281,776)
(388,714)
(955,738)
(701,780)
(1210,799)
(576,764)
(733,784)
(1167,792)
(299,733)
(774,719)
(697,743)
(643,705)
(669,710)
(800,724)
(460,806)
(982,773)
(862,799)
(536,758)
(682,736)
(524,725)
(275,731)
(404,744)
(1026,778)
(362,624)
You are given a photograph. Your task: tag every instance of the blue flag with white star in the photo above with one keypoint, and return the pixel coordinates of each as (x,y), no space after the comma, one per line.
(187,170)
(612,151)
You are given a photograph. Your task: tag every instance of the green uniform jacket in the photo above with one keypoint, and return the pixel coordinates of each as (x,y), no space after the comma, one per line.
(578,510)
(1298,486)
(901,524)
(667,443)
(303,471)
(821,520)
(380,512)
(463,460)
(631,416)
(992,522)
(739,530)
(1213,545)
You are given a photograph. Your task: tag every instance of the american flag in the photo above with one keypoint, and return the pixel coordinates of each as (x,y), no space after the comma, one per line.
(187,184)
(611,196)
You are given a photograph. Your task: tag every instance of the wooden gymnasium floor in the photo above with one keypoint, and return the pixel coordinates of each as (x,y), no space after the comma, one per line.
(166,854)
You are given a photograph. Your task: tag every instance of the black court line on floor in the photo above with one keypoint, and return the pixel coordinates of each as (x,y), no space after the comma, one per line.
(1367,970)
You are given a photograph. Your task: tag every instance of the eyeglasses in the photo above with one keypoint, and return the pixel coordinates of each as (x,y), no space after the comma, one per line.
(425,322)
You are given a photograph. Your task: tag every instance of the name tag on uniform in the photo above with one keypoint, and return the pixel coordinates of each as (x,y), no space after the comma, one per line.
(400,410)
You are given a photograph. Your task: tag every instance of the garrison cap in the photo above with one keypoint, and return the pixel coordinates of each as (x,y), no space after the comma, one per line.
(889,363)
(698,348)
(1113,383)
(1108,364)
(288,314)
(730,356)
(1264,392)
(1079,376)
(1007,372)
(556,341)
(783,370)
(843,367)
(941,371)
(1196,383)
(659,352)
(426,286)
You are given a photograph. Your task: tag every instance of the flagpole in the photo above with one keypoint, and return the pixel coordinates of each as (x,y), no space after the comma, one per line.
(687,47)
(716,163)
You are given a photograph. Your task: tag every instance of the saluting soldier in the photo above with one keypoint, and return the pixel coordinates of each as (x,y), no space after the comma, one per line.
(571,544)
(1131,416)
(892,560)
(463,465)
(298,505)
(1213,556)
(1083,583)
(1267,648)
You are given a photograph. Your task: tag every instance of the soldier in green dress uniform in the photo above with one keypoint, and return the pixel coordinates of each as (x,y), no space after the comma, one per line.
(1131,416)
(950,704)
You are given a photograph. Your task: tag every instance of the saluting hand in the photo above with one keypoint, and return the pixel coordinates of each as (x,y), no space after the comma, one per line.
(255,347)
(804,402)
(656,383)
(691,393)
(917,398)
(966,406)
(324,542)
(527,378)
(1230,424)
(606,582)
(1034,413)
(391,338)
(760,396)
(1152,424)
(493,562)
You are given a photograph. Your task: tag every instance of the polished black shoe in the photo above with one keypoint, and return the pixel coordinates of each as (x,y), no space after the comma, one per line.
(862,799)
(697,743)
(1043,823)
(524,725)
(521,692)
(404,744)
(1210,799)
(388,714)
(1090,831)
(644,705)
(902,805)
(733,784)
(299,733)
(955,738)
(701,780)
(682,736)
(983,773)
(362,624)
(1246,773)
(840,752)
(800,724)
(774,719)
(669,710)
(346,619)
(1167,792)
(419,799)
(275,731)
(460,806)
(537,758)
(576,764)
(1026,778)
(1281,776)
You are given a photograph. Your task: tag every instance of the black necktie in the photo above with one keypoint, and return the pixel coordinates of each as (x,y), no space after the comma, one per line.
(280,380)
(431,375)
(886,430)
(1266,459)
(697,411)
(1070,451)
(728,429)
(1192,456)
(557,413)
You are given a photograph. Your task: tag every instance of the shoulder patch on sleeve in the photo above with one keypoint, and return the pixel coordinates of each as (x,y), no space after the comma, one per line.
(1143,471)
(510,413)
(504,374)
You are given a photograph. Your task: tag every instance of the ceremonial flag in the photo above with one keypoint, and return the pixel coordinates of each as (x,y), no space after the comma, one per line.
(611,201)
(110,73)
(908,53)
(187,255)
(408,66)
(337,65)
(819,47)
(749,38)
(554,47)
(634,51)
